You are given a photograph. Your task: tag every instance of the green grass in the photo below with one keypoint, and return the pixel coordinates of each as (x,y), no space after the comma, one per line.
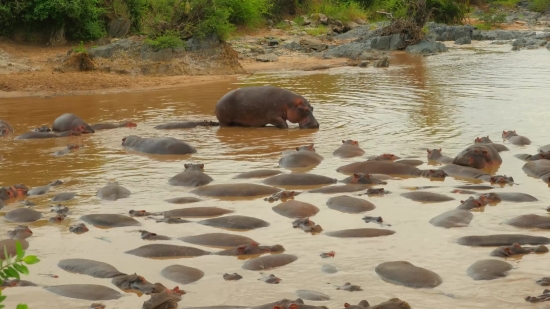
(169,39)
(80,48)
(483,26)
(283,25)
(506,3)
(540,5)
(319,30)
(343,11)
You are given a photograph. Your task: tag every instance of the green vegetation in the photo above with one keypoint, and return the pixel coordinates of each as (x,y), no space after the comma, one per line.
(12,267)
(169,39)
(80,48)
(491,19)
(540,5)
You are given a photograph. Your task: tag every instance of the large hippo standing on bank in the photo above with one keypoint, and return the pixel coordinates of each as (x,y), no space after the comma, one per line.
(71,122)
(258,106)
(157,145)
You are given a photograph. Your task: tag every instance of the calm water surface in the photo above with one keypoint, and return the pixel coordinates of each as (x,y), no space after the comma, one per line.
(444,101)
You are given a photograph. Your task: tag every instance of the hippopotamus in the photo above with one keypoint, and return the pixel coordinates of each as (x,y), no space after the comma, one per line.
(252,248)
(338,189)
(235,190)
(157,145)
(109,220)
(182,274)
(514,138)
(134,282)
(282,304)
(377,220)
(307,225)
(196,212)
(530,221)
(42,128)
(187,125)
(235,222)
(544,281)
(258,106)
(407,274)
(38,190)
(303,157)
(231,277)
(166,251)
(348,204)
(219,240)
(269,261)
(384,157)
(112,192)
(389,168)
(537,299)
(66,150)
(486,140)
(349,287)
(173,220)
(478,156)
(10,245)
(364,179)
(436,156)
(20,232)
(63,197)
(167,299)
(393,303)
(42,135)
(258,174)
(501,180)
(459,171)
(5,128)
(79,228)
(488,269)
(473,203)
(494,198)
(539,169)
(502,240)
(13,192)
(325,255)
(542,155)
(271,279)
(296,209)
(356,233)
(183,200)
(57,218)
(426,197)
(108,126)
(71,122)
(22,215)
(146,235)
(348,149)
(85,291)
(282,195)
(452,218)
(17,282)
(192,176)
(90,267)
(59,209)
(517,249)
(312,295)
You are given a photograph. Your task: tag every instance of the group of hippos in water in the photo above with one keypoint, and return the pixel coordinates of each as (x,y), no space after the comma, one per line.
(267,105)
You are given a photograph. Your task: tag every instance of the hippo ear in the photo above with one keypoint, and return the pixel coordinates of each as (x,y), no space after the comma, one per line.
(356,176)
(293,306)
(343,141)
(240,249)
(291,193)
(277,307)
(297,148)
(440,149)
(428,151)
(201,166)
(186,165)
(346,305)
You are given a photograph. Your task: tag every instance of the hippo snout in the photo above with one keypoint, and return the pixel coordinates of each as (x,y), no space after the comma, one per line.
(309,123)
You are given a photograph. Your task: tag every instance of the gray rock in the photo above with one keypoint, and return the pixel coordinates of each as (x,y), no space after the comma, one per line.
(463,40)
(529,43)
(427,47)
(501,42)
(267,58)
(320,18)
(389,42)
(209,42)
(306,20)
(309,45)
(363,64)
(354,51)
(350,26)
(440,32)
(548,46)
(384,63)
(148,53)
(107,51)
(493,35)
(118,28)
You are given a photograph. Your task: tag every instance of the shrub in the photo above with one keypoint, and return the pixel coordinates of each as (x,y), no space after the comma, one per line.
(247,13)
(169,39)
(80,48)
(491,19)
(335,9)
(540,5)
(447,11)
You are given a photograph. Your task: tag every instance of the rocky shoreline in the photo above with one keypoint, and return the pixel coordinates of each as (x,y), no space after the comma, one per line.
(353,44)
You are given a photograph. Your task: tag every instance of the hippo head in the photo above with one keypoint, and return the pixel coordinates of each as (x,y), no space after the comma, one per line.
(78,228)
(434,154)
(437,174)
(42,129)
(146,234)
(137,213)
(350,142)
(491,198)
(20,232)
(301,112)
(306,148)
(73,146)
(365,179)
(128,124)
(15,191)
(57,218)
(134,282)
(196,167)
(385,157)
(286,303)
(502,180)
(4,131)
(83,129)
(483,140)
(97,306)
(130,140)
(273,249)
(302,222)
(250,248)
(362,305)
(508,134)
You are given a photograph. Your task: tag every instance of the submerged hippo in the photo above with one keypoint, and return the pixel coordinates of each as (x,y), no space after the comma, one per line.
(109,220)
(63,196)
(502,240)
(348,204)
(235,190)
(252,248)
(514,138)
(517,249)
(389,168)
(112,192)
(296,209)
(348,149)
(157,145)
(494,198)
(460,171)
(385,157)
(338,189)
(85,291)
(258,174)
(478,156)
(473,203)
(42,135)
(542,155)
(356,233)
(219,240)
(312,295)
(10,246)
(146,235)
(183,200)
(71,122)
(108,126)
(20,232)
(269,261)
(537,299)
(166,299)
(393,303)
(5,128)
(67,150)
(426,197)
(182,274)
(13,192)
(363,179)
(196,212)
(90,267)
(435,155)
(530,221)
(258,106)
(192,176)
(407,274)
(488,141)
(282,195)
(452,218)
(38,190)
(22,215)
(235,222)
(303,157)
(186,125)
(539,169)
(79,228)
(488,269)
(166,251)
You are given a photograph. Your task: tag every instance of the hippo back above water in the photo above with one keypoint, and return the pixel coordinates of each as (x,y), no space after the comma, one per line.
(259,106)
(158,145)
(71,122)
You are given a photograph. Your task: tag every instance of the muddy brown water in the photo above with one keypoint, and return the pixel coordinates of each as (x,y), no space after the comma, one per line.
(444,101)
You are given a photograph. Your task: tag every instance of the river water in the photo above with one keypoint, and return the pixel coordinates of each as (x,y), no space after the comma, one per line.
(444,101)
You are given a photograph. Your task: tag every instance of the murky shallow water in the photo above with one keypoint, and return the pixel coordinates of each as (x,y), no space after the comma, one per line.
(444,101)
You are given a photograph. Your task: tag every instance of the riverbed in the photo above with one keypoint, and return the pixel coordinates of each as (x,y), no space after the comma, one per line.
(442,101)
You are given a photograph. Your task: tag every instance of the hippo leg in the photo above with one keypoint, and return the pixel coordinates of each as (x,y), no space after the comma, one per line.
(280,123)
